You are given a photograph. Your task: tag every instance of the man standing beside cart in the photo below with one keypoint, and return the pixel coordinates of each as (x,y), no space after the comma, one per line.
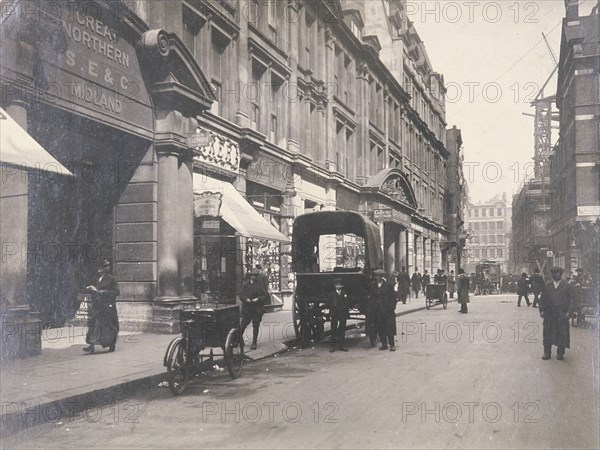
(383,301)
(254,295)
(338,305)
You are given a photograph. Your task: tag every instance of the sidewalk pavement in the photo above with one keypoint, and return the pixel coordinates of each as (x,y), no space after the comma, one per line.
(64,380)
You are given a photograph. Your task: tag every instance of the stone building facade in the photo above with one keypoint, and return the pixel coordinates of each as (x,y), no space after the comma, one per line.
(198,130)
(575,163)
(489,225)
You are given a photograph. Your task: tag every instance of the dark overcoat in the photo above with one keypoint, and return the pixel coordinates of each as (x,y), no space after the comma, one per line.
(403,283)
(103,321)
(556,305)
(463,288)
(251,290)
(522,286)
(339,304)
(383,305)
(415,282)
(537,283)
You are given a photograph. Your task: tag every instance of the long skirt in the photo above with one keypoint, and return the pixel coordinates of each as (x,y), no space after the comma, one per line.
(103,325)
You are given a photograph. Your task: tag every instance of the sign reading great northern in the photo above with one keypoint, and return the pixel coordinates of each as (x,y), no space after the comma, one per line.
(94,66)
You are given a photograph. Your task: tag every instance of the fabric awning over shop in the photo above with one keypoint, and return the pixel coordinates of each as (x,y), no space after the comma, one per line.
(236,211)
(19,149)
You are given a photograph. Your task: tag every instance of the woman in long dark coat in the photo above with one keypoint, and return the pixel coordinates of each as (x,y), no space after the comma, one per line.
(556,305)
(103,321)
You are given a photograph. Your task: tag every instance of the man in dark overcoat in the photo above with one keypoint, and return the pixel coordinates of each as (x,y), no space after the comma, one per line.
(556,303)
(103,321)
(537,286)
(522,289)
(383,299)
(463,285)
(415,282)
(254,296)
(403,285)
(425,280)
(338,303)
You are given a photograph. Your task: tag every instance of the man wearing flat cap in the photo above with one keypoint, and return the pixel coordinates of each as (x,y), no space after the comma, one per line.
(338,306)
(254,296)
(556,305)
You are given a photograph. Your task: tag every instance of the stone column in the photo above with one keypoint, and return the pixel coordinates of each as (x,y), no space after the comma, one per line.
(389,248)
(185,202)
(168,224)
(410,256)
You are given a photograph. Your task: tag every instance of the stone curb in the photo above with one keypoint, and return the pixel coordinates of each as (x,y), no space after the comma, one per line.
(66,408)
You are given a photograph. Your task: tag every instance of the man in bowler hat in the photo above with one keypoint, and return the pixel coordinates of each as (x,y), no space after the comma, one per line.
(383,299)
(556,304)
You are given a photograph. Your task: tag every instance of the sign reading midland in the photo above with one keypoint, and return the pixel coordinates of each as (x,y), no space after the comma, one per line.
(97,68)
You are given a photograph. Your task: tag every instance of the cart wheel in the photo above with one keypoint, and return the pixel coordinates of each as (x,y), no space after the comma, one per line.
(427,303)
(234,353)
(178,367)
(445,300)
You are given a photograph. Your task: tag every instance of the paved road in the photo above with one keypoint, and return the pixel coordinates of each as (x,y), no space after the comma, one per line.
(456,381)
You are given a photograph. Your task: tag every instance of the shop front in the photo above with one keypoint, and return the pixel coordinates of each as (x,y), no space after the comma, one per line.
(96,89)
(231,238)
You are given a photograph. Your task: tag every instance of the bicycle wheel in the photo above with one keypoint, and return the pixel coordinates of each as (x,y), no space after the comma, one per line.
(178,367)
(445,300)
(234,353)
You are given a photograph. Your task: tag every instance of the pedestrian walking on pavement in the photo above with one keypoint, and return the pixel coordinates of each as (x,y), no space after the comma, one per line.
(103,320)
(556,303)
(403,285)
(522,288)
(381,295)
(425,281)
(338,306)
(463,291)
(452,284)
(537,286)
(253,296)
(415,282)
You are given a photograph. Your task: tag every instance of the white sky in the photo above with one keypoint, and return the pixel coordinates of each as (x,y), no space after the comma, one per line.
(499,45)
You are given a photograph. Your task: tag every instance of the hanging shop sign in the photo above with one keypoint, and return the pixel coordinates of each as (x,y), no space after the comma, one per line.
(208,204)
(214,150)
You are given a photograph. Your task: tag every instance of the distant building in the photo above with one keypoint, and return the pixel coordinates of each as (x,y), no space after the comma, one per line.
(530,214)
(489,225)
(575,163)
(456,199)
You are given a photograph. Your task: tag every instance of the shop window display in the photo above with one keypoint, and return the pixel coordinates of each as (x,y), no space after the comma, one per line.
(267,254)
